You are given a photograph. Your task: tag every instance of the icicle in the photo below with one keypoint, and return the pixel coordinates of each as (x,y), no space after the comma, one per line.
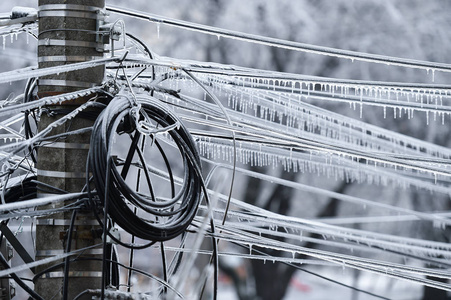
(361,102)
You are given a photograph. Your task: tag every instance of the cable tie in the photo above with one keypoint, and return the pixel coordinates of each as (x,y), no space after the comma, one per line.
(61,174)
(41,253)
(65,222)
(60,274)
(143,125)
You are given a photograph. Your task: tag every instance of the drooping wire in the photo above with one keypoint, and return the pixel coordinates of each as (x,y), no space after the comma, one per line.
(229,121)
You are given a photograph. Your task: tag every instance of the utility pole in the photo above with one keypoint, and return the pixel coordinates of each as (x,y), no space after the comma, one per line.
(67,34)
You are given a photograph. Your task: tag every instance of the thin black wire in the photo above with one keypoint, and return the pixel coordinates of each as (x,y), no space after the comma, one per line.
(105,229)
(22,278)
(138,180)
(31,84)
(135,141)
(171,180)
(139,41)
(146,48)
(50,188)
(67,260)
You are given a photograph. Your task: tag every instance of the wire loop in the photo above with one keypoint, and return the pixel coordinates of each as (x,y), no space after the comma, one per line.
(165,218)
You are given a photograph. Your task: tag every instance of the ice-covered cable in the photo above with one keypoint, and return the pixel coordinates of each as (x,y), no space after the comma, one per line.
(220,32)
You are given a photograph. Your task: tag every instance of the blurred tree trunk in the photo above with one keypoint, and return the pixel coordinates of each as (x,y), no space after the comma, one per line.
(272,279)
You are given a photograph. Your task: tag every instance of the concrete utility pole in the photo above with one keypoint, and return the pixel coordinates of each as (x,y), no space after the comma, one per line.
(67,34)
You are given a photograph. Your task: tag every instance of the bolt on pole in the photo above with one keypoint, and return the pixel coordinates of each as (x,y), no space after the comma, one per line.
(67,34)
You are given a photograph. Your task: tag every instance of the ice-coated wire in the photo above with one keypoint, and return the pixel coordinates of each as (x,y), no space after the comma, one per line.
(370,265)
(38,202)
(343,197)
(44,261)
(360,201)
(346,128)
(376,219)
(251,239)
(218,103)
(30,72)
(246,77)
(364,244)
(220,32)
(52,100)
(271,219)
(16,147)
(261,217)
(328,148)
(379,96)
(260,152)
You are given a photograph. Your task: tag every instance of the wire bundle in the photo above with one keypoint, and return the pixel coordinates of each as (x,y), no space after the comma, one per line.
(170,216)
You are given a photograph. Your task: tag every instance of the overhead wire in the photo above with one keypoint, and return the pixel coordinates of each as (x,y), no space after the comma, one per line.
(273,42)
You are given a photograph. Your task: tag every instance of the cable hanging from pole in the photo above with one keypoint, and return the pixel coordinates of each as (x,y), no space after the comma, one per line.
(170,217)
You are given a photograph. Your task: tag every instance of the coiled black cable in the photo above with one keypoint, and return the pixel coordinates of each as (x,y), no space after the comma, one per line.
(178,211)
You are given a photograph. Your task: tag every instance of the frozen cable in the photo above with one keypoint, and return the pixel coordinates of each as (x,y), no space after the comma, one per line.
(220,32)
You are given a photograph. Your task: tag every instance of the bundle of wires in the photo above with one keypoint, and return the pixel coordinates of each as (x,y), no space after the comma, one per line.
(164,219)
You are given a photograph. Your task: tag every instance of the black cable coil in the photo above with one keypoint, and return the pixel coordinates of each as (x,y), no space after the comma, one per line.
(170,216)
